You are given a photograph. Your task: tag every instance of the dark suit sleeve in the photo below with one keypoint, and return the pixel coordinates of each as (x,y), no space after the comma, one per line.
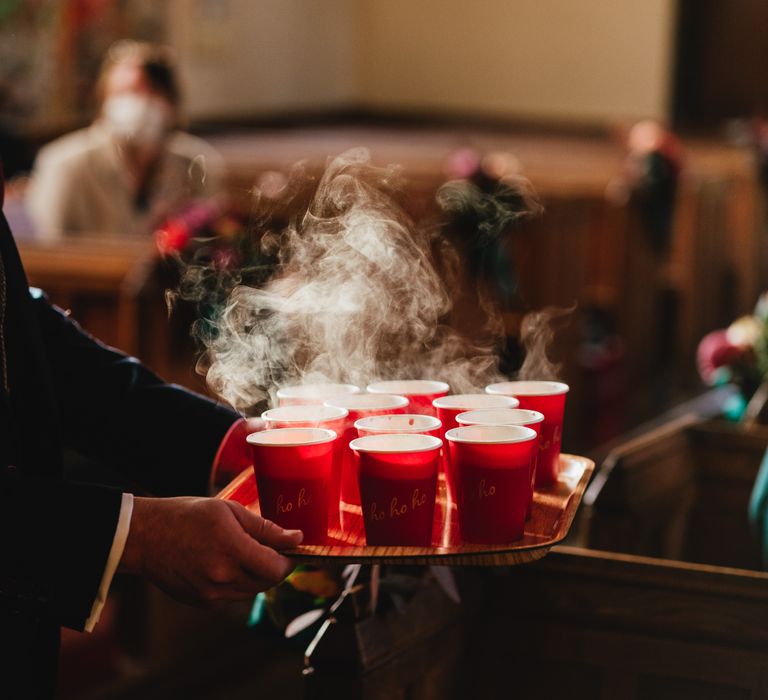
(114,410)
(55,538)
(56,381)
(55,535)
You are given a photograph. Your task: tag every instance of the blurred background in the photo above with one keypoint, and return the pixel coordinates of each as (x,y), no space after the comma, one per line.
(642,128)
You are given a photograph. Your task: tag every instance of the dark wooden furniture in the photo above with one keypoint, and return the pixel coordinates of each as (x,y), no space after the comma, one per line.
(721,62)
(679,492)
(99,280)
(601,625)
(115,288)
(675,605)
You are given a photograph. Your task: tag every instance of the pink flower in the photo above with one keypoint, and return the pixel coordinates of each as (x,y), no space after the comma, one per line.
(715,351)
(462,163)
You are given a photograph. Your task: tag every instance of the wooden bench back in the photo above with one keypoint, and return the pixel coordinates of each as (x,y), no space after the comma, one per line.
(679,492)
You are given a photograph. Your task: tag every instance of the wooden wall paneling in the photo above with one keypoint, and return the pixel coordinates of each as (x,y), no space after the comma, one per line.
(697,269)
(721,62)
(606,274)
(746,243)
(708,299)
(679,273)
(718,258)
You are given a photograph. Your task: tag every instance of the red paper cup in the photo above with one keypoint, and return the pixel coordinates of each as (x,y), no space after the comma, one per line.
(398,484)
(419,392)
(313,394)
(509,416)
(403,423)
(547,398)
(360,406)
(293,469)
(492,466)
(448,407)
(313,416)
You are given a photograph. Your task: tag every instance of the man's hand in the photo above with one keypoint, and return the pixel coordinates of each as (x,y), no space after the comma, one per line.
(203,550)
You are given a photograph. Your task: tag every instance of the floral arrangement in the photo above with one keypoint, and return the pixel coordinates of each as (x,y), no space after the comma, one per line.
(214,234)
(209,248)
(737,355)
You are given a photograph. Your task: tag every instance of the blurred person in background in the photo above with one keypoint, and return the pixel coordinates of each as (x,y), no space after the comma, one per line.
(132,167)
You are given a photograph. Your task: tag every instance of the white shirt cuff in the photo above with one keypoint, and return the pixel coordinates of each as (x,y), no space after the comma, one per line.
(115,554)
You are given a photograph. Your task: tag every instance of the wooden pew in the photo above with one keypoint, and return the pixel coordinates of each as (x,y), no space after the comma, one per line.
(99,280)
(683,613)
(681,492)
(588,624)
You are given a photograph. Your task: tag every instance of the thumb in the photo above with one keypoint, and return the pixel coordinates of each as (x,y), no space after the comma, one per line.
(265,531)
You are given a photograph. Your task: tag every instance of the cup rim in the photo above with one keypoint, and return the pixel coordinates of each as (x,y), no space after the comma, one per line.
(356,402)
(304,391)
(532,387)
(273,414)
(463,434)
(534,417)
(427,387)
(436,423)
(450,402)
(367,443)
(322,435)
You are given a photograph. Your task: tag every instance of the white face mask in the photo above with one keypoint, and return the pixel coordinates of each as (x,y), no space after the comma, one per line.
(137,118)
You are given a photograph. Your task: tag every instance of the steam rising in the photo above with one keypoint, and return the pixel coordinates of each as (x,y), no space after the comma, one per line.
(537,334)
(356,298)
(350,291)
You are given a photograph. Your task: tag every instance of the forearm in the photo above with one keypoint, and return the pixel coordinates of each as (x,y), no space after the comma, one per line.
(116,411)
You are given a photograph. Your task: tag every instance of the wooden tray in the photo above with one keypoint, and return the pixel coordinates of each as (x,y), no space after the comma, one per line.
(553,512)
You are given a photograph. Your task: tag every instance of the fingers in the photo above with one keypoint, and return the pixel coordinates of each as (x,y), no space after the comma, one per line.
(261,562)
(257,552)
(249,569)
(207,551)
(265,531)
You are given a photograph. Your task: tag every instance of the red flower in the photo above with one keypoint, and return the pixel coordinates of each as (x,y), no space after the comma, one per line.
(172,237)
